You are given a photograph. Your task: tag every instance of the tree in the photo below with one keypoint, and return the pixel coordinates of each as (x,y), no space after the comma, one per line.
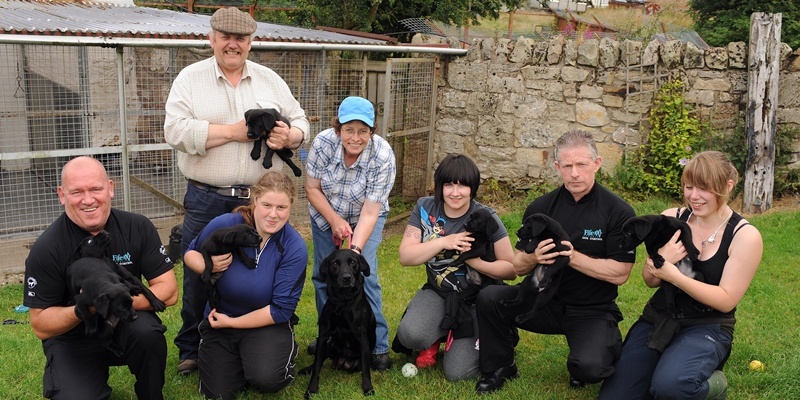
(513,6)
(383,16)
(720,22)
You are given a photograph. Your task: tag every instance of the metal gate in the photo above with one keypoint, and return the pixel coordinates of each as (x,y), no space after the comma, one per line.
(409,97)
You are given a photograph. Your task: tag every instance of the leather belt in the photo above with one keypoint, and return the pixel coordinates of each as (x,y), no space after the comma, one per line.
(241,192)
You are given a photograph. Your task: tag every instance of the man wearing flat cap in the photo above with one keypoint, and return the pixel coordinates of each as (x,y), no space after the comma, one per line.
(205,124)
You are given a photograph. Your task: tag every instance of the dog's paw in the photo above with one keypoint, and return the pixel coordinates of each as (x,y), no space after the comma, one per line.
(158,305)
(369,392)
(308,394)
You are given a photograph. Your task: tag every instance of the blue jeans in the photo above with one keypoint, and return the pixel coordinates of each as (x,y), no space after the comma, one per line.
(681,372)
(323,246)
(201,207)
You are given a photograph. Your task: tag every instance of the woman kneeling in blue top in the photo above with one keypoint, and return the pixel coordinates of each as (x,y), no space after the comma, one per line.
(248,340)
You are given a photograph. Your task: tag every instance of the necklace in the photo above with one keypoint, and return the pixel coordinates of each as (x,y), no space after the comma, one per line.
(713,237)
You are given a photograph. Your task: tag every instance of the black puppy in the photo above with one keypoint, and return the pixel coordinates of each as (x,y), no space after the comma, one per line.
(346,323)
(224,241)
(655,231)
(97,281)
(544,280)
(259,123)
(481,225)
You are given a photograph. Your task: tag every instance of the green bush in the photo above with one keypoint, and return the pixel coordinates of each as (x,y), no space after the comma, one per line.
(655,168)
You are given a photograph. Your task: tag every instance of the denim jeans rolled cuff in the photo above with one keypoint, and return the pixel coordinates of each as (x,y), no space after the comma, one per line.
(323,246)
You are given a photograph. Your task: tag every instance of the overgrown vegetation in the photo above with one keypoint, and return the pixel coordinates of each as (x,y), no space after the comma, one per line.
(654,169)
(720,22)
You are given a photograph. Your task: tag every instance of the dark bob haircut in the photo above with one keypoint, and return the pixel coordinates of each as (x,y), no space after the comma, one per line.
(456,168)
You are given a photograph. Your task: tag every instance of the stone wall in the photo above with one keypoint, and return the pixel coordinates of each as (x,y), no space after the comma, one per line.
(506,102)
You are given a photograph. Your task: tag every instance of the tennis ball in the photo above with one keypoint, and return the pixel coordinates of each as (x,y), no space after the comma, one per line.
(756,365)
(409,370)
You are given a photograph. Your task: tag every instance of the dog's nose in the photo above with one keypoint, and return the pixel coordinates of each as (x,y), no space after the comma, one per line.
(346,279)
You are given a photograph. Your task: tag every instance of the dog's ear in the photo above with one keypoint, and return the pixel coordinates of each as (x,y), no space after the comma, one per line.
(268,121)
(102,304)
(641,228)
(537,224)
(491,225)
(323,266)
(363,264)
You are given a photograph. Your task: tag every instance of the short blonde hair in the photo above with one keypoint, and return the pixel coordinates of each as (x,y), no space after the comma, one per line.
(711,170)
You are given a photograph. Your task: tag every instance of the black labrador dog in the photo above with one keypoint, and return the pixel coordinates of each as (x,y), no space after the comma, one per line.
(95,280)
(655,231)
(481,225)
(259,123)
(346,323)
(544,280)
(223,241)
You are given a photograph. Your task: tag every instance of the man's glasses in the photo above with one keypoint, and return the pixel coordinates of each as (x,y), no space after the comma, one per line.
(362,133)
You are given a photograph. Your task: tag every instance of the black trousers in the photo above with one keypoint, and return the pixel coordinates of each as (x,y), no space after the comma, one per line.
(232,360)
(77,366)
(592,332)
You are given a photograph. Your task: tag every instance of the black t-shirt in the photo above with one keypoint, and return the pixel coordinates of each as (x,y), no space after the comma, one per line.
(135,245)
(594,225)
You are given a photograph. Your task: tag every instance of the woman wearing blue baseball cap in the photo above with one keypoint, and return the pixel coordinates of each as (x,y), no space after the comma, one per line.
(350,172)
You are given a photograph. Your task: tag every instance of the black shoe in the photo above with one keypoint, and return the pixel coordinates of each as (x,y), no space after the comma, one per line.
(576,383)
(494,381)
(381,362)
(312,347)
(187,366)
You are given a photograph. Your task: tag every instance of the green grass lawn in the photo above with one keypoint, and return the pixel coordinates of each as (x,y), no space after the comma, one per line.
(768,330)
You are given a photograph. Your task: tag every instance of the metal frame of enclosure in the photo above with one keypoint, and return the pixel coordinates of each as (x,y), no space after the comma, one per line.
(104,97)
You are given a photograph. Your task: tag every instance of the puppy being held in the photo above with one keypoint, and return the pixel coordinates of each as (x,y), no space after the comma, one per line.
(96,281)
(259,123)
(223,241)
(655,231)
(346,322)
(481,225)
(542,283)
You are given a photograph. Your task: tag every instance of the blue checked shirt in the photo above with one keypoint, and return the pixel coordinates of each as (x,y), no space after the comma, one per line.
(371,177)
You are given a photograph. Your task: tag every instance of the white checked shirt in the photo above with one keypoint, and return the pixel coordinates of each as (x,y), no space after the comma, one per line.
(371,177)
(201,96)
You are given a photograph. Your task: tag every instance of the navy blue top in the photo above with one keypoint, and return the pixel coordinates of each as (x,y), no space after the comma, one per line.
(276,281)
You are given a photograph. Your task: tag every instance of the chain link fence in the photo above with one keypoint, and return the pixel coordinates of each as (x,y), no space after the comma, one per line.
(58,102)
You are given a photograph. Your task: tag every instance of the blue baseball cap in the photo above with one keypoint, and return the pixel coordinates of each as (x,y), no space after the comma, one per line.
(356,108)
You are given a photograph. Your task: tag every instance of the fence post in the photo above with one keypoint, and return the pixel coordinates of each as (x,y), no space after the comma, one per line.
(762,91)
(123,129)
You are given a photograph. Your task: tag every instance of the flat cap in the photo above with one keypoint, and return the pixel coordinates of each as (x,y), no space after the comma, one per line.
(232,20)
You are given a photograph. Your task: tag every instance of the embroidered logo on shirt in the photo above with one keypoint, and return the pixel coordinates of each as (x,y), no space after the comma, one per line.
(122,259)
(592,234)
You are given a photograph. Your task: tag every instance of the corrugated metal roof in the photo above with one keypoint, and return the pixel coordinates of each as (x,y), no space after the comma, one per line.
(121,18)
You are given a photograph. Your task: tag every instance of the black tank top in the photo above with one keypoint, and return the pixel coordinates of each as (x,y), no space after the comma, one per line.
(687,308)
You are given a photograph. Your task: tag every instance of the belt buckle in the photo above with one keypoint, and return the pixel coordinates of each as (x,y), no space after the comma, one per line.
(244,192)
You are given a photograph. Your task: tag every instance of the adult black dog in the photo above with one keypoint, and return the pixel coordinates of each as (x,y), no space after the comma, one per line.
(655,231)
(223,241)
(96,281)
(544,280)
(259,123)
(346,323)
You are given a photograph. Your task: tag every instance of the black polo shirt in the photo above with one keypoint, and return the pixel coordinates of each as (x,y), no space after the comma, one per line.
(594,225)
(135,245)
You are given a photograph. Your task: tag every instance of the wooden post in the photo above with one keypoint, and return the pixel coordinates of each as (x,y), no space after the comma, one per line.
(763,66)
